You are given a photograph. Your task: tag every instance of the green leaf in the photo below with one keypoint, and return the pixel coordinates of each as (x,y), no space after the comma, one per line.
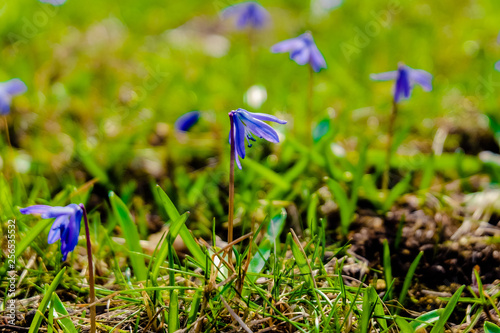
(173,231)
(344,205)
(409,277)
(184,232)
(427,319)
(448,310)
(173,312)
(387,268)
(369,302)
(491,328)
(396,192)
(60,311)
(131,236)
(267,173)
(403,325)
(35,325)
(301,261)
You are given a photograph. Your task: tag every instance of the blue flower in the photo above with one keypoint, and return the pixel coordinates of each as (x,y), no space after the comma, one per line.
(9,89)
(247,14)
(497,66)
(406,78)
(187,120)
(54,2)
(66,227)
(302,50)
(248,123)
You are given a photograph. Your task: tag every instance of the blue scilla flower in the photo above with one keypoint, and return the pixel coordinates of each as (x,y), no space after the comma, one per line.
(187,120)
(302,50)
(406,78)
(54,2)
(497,66)
(66,226)
(9,89)
(246,124)
(248,13)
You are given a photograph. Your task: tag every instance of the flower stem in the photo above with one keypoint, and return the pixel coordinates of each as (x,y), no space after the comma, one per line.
(309,110)
(231,189)
(7,134)
(91,272)
(392,121)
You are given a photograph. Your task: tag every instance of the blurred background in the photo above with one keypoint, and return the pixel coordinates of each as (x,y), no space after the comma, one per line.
(107,80)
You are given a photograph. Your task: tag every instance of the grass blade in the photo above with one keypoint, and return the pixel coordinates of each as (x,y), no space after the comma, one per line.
(409,278)
(60,311)
(35,325)
(491,328)
(448,310)
(184,232)
(131,236)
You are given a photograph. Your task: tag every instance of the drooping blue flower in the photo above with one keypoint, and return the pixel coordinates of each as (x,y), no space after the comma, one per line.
(406,78)
(187,120)
(248,13)
(54,2)
(246,124)
(302,50)
(66,226)
(8,89)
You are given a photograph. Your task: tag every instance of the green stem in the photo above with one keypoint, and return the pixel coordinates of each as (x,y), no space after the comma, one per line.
(91,272)
(231,188)
(392,121)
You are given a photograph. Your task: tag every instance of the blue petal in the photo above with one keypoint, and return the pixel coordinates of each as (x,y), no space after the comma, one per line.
(497,66)
(247,14)
(317,60)
(14,87)
(386,76)
(54,2)
(265,117)
(301,56)
(403,88)
(259,128)
(422,78)
(55,231)
(187,120)
(36,209)
(239,136)
(289,45)
(4,103)
(58,211)
(69,237)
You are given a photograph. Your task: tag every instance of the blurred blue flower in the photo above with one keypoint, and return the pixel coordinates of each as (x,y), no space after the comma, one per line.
(406,78)
(9,89)
(497,66)
(247,123)
(248,13)
(302,50)
(66,227)
(54,2)
(187,120)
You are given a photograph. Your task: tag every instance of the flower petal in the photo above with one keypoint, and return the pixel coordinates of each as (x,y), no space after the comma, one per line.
(239,136)
(260,128)
(58,211)
(55,231)
(497,66)
(14,87)
(301,56)
(403,87)
(422,78)
(317,60)
(265,117)
(187,120)
(386,76)
(35,209)
(288,45)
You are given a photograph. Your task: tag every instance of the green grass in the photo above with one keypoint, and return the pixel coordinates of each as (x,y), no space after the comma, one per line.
(107,80)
